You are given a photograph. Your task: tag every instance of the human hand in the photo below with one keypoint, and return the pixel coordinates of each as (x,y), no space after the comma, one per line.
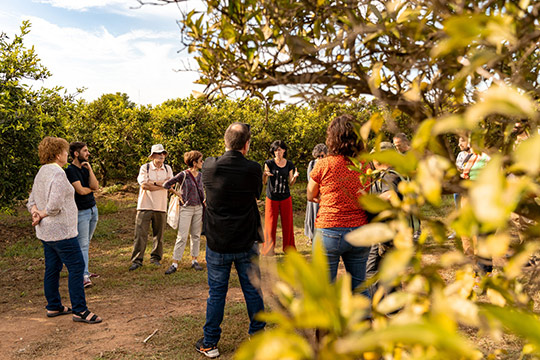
(37,215)
(86,164)
(35,218)
(296,174)
(268,173)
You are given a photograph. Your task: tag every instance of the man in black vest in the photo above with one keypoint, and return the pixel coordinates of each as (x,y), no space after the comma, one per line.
(233,184)
(81,176)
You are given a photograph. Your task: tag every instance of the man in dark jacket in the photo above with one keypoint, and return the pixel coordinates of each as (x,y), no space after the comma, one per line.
(233,184)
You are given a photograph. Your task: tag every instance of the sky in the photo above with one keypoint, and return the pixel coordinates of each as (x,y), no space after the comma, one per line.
(106,46)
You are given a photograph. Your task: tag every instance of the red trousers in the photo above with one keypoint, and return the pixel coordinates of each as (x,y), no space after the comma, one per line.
(272,210)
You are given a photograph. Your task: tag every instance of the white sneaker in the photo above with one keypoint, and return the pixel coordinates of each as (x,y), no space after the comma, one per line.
(87,282)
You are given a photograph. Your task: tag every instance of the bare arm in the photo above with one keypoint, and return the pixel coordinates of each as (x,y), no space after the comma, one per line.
(93,183)
(146,183)
(266,173)
(81,190)
(293,175)
(179,195)
(313,191)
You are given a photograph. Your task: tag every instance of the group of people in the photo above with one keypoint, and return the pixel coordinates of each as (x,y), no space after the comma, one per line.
(65,215)
(218,195)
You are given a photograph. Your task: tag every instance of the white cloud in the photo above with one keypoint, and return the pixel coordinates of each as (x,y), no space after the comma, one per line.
(140,63)
(130,8)
(82,5)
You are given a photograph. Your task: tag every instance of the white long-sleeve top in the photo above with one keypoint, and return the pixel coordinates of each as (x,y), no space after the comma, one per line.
(53,193)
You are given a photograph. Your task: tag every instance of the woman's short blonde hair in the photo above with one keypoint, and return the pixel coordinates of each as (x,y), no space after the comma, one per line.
(50,147)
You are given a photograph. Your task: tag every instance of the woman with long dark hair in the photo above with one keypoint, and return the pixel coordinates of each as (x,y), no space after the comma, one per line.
(337,188)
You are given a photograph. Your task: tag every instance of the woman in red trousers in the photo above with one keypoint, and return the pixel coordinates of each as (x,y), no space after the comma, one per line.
(279,174)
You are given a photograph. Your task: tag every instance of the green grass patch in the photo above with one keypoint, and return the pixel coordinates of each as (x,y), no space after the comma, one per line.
(112,189)
(28,248)
(447,206)
(108,207)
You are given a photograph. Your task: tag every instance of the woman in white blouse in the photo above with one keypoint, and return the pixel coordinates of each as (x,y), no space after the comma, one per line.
(54,214)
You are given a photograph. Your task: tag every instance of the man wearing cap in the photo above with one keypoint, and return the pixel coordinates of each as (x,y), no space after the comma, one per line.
(151,207)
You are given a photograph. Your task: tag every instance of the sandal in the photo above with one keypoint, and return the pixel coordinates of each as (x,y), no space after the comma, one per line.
(65,310)
(86,318)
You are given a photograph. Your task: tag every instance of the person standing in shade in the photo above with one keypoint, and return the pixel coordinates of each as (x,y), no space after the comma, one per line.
(82,178)
(385,184)
(279,174)
(461,159)
(151,207)
(233,184)
(319,151)
(191,214)
(401,143)
(54,215)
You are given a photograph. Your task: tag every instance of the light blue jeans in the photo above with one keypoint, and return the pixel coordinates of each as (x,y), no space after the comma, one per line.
(354,258)
(86,225)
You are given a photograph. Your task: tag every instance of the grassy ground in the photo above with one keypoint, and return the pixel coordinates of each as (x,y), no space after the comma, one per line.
(133,304)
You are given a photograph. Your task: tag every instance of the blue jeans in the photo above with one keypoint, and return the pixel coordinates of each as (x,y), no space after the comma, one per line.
(457,199)
(69,253)
(86,225)
(219,270)
(354,258)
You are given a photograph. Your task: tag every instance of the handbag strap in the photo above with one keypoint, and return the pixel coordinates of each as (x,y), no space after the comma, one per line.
(196,187)
(178,188)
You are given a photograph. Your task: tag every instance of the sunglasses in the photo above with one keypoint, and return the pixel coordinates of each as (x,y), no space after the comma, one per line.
(320,156)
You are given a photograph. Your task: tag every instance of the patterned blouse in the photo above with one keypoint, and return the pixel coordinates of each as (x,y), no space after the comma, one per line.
(192,192)
(53,193)
(339,190)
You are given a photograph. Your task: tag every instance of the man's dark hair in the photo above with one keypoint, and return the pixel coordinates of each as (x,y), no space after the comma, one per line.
(75,146)
(341,138)
(236,136)
(278,144)
(402,137)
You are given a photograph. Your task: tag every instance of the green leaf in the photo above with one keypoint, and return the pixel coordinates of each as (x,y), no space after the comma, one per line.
(403,164)
(430,176)
(394,264)
(419,334)
(370,234)
(527,156)
(275,344)
(502,100)
(519,322)
(374,203)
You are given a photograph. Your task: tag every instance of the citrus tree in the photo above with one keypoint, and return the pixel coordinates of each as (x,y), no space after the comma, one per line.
(438,68)
(26,115)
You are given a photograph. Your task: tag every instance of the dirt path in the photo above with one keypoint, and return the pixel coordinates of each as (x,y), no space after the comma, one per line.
(129,318)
